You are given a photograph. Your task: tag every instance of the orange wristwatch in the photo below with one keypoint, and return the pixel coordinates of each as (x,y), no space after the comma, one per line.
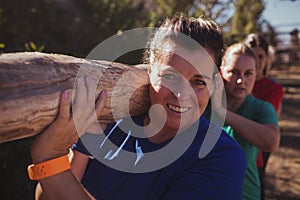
(48,168)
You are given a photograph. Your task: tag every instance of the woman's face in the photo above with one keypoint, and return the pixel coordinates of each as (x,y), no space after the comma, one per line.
(239,76)
(262,61)
(181,88)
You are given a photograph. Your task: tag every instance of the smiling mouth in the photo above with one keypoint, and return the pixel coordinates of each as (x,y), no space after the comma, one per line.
(178,109)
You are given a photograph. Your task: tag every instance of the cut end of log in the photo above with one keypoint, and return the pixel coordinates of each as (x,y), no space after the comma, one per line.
(31,83)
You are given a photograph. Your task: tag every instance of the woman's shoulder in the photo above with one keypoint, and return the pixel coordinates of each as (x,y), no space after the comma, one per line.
(227,145)
(217,141)
(269,82)
(259,110)
(254,102)
(254,106)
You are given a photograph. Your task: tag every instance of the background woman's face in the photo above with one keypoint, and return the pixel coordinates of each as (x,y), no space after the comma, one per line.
(239,75)
(179,88)
(262,59)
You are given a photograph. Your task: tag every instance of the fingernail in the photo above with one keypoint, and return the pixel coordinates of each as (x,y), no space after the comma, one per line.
(103,92)
(80,79)
(66,94)
(89,79)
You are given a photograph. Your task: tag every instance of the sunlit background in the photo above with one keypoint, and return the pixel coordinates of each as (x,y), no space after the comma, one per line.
(75,27)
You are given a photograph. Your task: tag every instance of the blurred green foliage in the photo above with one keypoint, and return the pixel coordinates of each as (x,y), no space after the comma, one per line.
(75,27)
(31,46)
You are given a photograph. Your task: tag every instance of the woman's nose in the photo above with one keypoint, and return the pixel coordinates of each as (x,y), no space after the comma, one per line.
(239,80)
(182,92)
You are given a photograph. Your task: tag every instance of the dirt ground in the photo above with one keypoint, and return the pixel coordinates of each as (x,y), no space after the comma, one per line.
(283,169)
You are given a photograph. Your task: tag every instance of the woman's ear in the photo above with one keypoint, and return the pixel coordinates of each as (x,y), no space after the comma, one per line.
(149,69)
(221,70)
(212,88)
(217,81)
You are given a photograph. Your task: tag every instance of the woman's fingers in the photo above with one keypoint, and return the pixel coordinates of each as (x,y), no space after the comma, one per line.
(70,124)
(91,89)
(85,112)
(101,102)
(218,100)
(84,99)
(80,97)
(96,126)
(218,90)
(65,105)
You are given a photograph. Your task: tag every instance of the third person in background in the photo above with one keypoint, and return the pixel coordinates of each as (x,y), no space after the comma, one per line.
(265,88)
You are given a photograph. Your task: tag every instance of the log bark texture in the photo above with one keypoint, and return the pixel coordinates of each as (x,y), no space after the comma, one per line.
(31,84)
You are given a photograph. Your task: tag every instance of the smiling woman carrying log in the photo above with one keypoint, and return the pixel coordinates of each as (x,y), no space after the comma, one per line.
(31,84)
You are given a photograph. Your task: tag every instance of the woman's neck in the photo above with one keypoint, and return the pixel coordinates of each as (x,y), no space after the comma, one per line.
(233,104)
(259,77)
(154,135)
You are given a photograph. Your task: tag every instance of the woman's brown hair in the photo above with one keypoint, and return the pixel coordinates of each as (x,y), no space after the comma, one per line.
(202,30)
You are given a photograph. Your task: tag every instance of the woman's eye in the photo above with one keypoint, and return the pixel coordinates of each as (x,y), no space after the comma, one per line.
(168,76)
(198,82)
(260,57)
(249,74)
(233,72)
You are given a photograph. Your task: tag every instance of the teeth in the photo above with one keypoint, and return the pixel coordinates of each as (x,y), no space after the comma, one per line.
(178,109)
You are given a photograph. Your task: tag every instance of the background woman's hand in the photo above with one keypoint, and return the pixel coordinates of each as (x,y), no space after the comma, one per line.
(74,119)
(218,97)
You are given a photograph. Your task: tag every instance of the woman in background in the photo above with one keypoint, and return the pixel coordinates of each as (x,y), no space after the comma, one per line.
(265,89)
(250,121)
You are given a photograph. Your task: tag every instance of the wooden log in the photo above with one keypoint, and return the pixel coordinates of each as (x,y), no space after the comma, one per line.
(31,84)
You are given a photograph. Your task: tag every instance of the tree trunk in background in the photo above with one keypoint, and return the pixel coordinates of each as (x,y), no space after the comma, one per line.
(31,84)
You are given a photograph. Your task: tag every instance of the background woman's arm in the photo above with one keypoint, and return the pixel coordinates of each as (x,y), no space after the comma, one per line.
(264,136)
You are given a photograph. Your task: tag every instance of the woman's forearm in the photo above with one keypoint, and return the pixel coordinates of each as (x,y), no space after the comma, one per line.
(264,136)
(61,186)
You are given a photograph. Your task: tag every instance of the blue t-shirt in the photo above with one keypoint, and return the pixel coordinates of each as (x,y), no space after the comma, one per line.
(146,175)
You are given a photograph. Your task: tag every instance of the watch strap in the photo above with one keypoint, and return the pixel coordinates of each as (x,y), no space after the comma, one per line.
(48,168)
